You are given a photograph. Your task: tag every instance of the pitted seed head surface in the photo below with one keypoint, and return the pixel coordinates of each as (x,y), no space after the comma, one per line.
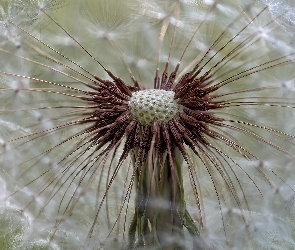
(146,105)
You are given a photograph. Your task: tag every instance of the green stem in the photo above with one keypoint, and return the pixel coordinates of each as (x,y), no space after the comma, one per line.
(161,218)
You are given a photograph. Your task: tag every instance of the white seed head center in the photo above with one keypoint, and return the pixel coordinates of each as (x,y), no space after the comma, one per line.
(147,105)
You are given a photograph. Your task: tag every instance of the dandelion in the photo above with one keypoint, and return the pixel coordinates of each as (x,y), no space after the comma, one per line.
(153,124)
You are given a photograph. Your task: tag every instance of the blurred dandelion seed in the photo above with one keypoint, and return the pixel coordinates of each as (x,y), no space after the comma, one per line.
(185,157)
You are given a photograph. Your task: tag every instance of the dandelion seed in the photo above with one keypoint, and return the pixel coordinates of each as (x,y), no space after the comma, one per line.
(153,124)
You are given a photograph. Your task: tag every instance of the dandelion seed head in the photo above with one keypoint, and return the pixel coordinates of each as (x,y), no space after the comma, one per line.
(70,132)
(147,105)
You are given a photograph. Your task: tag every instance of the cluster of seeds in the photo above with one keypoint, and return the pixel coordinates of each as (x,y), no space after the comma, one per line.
(147,105)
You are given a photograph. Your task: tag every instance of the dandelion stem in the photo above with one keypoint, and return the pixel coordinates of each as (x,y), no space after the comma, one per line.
(160,215)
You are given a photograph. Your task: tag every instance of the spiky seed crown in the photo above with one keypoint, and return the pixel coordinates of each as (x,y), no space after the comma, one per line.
(147,105)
